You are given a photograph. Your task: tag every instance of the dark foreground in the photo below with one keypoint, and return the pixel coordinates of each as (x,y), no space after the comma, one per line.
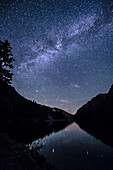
(14,145)
(17,156)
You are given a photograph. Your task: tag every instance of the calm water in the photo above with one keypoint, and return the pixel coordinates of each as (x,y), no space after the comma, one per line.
(72,148)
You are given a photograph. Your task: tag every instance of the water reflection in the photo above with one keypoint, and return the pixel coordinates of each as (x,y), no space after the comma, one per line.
(73,148)
(101,129)
(27,132)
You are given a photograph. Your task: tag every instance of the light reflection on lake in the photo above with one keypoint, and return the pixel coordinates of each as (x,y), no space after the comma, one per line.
(73,148)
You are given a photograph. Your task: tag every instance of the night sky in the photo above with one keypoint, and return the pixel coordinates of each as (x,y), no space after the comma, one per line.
(63,49)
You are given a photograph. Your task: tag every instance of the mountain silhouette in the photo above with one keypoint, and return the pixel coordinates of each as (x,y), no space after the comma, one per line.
(99,107)
(96,117)
(13,105)
(26,120)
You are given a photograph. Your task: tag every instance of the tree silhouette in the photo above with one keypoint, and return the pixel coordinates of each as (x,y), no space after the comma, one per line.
(6,60)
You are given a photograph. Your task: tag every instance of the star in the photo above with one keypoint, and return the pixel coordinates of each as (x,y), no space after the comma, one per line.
(63,49)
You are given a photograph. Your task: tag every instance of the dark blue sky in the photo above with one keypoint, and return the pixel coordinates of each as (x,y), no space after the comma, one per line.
(63,49)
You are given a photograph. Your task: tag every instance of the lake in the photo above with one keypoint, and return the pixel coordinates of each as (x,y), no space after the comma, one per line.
(73,148)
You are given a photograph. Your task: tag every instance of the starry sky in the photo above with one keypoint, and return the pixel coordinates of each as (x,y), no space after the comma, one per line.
(63,49)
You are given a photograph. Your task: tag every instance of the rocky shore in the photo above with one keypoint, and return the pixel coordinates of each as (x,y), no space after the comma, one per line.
(14,155)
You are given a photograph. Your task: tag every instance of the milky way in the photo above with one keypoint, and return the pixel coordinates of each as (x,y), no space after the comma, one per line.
(63,49)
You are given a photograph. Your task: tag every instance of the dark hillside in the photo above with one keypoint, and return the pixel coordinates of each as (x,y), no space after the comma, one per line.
(100,107)
(13,105)
(25,120)
(96,117)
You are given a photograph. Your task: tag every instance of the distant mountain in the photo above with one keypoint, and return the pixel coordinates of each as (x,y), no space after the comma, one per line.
(13,105)
(99,107)
(96,117)
(25,120)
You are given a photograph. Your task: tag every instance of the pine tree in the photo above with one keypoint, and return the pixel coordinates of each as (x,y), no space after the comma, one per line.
(6,60)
